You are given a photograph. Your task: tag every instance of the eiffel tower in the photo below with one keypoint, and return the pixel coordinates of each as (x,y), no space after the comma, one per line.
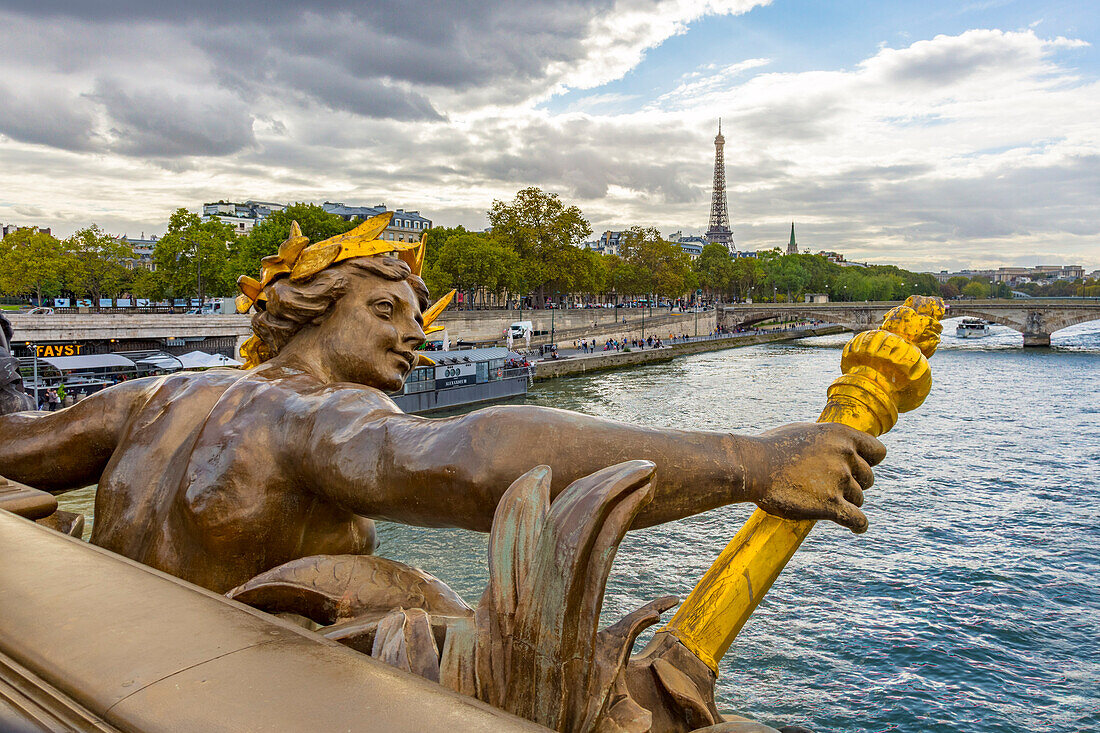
(719,231)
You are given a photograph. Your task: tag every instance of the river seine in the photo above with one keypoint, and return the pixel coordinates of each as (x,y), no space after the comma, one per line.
(970,604)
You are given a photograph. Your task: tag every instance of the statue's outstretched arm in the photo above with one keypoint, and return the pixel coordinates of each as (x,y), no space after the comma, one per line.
(453,471)
(68,449)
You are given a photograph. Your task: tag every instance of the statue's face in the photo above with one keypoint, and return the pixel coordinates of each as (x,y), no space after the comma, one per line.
(374,331)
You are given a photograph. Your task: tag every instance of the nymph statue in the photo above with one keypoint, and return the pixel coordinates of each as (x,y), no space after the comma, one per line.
(220,475)
(263,483)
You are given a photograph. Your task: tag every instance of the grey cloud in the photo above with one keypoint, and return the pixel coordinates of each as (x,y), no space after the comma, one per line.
(454,45)
(151,124)
(58,121)
(367,97)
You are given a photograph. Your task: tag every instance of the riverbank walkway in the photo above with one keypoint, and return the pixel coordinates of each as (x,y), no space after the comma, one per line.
(571,360)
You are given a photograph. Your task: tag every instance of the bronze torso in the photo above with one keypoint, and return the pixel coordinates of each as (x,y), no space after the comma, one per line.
(198,488)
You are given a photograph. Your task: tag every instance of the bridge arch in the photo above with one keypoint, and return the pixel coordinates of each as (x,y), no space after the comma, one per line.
(1036,318)
(1036,321)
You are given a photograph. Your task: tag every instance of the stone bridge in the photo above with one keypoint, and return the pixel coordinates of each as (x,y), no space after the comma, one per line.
(1035,318)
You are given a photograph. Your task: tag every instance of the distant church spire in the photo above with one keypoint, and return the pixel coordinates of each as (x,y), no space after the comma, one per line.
(719,230)
(792,246)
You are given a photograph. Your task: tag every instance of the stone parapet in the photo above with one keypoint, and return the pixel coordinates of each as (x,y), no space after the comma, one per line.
(552,368)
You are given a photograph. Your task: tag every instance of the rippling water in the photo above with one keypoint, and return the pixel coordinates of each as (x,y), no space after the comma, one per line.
(971,603)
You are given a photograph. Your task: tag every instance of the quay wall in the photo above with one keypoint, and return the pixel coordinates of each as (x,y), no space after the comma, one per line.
(553,368)
(575,324)
(479,326)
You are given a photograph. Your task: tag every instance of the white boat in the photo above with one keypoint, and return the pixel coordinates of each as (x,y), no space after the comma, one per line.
(972,328)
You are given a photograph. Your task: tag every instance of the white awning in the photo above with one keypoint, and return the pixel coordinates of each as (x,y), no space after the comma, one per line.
(161,361)
(88,361)
(202,360)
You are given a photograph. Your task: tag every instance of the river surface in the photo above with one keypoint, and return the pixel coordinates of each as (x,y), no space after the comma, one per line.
(972,602)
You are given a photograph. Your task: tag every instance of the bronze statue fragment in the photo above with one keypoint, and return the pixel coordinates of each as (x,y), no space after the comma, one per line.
(13,397)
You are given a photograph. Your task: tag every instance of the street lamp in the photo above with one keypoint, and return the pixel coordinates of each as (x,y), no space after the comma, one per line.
(554,307)
(34,353)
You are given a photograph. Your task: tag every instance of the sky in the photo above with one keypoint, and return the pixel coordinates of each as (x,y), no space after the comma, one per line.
(933,135)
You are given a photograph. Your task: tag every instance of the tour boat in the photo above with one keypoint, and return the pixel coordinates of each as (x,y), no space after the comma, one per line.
(465,377)
(972,328)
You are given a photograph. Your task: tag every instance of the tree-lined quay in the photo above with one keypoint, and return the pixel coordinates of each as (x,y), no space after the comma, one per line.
(530,257)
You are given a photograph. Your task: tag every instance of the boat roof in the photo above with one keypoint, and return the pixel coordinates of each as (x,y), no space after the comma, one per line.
(465,356)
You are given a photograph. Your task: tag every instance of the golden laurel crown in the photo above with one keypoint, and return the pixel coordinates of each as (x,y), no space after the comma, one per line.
(300,261)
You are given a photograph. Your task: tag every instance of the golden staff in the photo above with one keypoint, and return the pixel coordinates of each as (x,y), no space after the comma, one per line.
(884,372)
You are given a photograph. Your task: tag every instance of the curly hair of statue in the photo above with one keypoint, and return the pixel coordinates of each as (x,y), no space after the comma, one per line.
(291,306)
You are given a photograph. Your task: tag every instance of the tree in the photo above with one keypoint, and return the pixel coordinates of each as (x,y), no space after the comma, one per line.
(477,263)
(852,285)
(98,268)
(748,273)
(193,248)
(544,232)
(976,289)
(594,272)
(665,265)
(32,262)
(715,269)
(959,282)
(786,273)
(147,284)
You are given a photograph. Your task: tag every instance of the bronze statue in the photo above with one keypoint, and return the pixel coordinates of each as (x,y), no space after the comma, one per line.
(218,476)
(266,481)
(533,646)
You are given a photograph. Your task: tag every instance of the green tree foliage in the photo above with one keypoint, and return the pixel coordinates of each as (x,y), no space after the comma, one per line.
(959,282)
(748,274)
(98,268)
(661,266)
(147,284)
(192,248)
(949,290)
(545,233)
(32,263)
(715,270)
(976,289)
(592,274)
(786,274)
(477,264)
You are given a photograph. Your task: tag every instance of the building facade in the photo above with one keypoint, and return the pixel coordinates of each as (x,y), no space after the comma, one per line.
(7,229)
(242,217)
(1019,275)
(405,226)
(143,251)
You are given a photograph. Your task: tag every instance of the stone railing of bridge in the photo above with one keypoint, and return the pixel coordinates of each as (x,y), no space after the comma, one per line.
(1035,318)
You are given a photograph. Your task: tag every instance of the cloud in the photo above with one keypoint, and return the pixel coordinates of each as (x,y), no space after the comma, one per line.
(148,124)
(53,118)
(979,144)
